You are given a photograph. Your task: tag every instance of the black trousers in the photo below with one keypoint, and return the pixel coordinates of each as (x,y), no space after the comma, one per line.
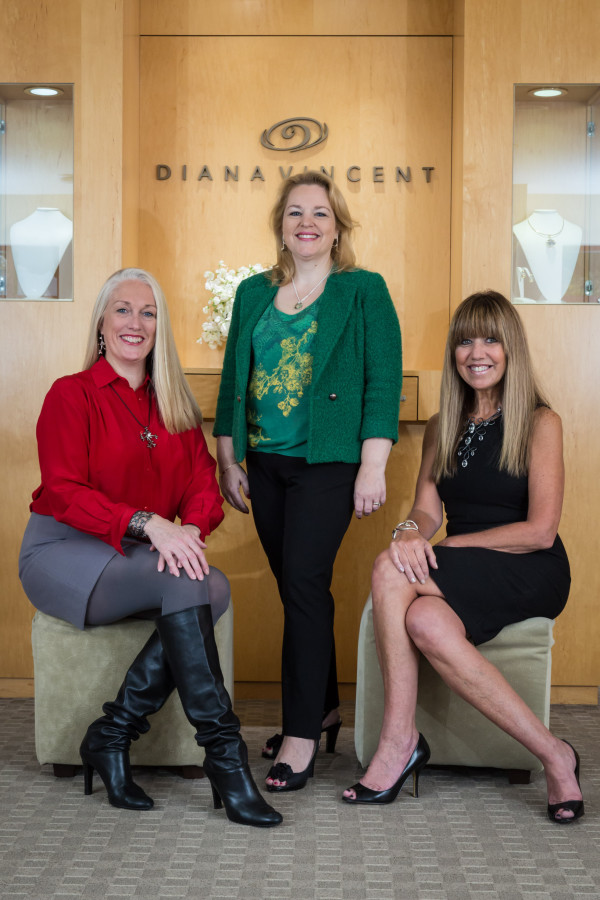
(301,512)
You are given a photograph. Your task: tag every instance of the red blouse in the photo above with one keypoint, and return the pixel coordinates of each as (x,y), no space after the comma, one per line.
(96,471)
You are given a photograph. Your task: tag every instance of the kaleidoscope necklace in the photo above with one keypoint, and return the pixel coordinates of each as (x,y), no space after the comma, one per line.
(146,435)
(474,429)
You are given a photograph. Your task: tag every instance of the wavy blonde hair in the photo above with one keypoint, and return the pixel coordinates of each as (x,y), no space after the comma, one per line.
(177,407)
(343,255)
(488,314)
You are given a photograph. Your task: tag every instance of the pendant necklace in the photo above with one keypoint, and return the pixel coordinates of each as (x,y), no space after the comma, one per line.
(549,237)
(146,435)
(298,305)
(466,450)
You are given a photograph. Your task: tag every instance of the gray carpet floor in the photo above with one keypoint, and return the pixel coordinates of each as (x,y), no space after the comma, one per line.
(469,835)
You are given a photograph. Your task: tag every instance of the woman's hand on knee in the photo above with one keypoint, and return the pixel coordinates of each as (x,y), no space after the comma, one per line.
(178,546)
(413,555)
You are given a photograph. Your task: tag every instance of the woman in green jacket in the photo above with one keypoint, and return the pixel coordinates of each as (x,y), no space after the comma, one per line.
(310,397)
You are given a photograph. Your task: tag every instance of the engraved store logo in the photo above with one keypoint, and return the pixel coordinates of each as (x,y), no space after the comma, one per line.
(295,128)
(289,135)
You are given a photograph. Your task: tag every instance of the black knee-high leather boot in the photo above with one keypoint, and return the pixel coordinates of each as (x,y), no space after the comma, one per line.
(105,747)
(189,642)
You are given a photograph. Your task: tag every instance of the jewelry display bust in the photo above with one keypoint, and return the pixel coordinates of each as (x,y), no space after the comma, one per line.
(38,244)
(551,246)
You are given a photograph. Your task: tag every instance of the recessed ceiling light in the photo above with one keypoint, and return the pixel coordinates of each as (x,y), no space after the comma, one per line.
(548,92)
(43,91)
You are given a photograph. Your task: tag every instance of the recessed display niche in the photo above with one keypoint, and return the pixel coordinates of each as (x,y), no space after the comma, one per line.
(36,192)
(556,194)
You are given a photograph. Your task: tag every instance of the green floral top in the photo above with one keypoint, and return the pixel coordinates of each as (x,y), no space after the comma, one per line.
(276,401)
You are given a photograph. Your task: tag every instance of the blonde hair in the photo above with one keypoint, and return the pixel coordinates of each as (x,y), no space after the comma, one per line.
(488,314)
(177,407)
(343,255)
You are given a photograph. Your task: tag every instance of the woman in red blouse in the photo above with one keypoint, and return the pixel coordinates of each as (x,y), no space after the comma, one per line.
(121,455)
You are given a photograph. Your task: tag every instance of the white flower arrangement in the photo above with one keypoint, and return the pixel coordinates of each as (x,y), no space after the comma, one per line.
(222,285)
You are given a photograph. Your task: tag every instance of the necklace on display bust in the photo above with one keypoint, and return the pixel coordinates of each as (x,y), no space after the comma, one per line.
(475,429)
(300,300)
(146,435)
(549,237)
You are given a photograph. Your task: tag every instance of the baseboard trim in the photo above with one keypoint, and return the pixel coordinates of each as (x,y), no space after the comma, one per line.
(16,688)
(271,690)
(584,695)
(574,694)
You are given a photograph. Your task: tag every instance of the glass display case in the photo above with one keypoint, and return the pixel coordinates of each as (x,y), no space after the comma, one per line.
(36,192)
(556,194)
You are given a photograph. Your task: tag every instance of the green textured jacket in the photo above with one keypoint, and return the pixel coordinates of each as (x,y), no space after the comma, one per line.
(357,366)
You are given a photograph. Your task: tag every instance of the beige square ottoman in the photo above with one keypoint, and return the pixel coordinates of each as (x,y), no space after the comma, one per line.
(77,671)
(456,732)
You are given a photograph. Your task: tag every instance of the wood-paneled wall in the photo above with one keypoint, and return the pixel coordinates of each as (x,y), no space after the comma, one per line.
(387,104)
(302,17)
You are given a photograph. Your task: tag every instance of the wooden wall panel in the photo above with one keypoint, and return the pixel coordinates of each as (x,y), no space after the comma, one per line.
(527,41)
(386,102)
(310,17)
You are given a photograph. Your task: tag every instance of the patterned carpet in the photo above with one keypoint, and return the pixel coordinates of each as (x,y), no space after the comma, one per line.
(469,835)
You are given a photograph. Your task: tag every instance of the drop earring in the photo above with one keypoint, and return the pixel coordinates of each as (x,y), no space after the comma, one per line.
(101,344)
(282,243)
(334,246)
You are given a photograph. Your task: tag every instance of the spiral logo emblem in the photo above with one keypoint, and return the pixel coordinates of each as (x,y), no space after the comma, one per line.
(305,132)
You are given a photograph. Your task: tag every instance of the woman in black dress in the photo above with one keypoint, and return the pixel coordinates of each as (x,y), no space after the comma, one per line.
(493,458)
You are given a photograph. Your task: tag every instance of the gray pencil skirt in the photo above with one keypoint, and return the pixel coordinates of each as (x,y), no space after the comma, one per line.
(59,567)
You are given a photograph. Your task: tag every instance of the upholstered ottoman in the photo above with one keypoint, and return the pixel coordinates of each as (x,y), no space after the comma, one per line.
(456,732)
(77,671)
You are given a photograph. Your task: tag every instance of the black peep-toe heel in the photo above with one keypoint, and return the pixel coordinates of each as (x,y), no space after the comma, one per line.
(294,781)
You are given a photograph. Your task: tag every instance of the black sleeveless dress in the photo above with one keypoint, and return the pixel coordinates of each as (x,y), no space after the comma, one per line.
(489,589)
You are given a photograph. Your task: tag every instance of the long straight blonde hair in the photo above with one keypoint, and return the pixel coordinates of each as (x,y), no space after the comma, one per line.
(177,407)
(488,314)
(342,255)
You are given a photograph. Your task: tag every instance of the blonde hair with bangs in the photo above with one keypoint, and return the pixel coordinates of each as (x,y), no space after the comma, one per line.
(177,407)
(343,255)
(488,314)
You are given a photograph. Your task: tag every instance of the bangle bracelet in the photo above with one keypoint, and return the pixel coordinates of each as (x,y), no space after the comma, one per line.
(408,525)
(137,524)
(230,466)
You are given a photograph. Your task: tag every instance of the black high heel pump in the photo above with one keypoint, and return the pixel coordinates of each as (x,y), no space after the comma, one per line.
(419,759)
(575,806)
(273,744)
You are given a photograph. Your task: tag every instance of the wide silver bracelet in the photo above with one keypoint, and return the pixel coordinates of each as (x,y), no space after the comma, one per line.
(407,525)
(137,524)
